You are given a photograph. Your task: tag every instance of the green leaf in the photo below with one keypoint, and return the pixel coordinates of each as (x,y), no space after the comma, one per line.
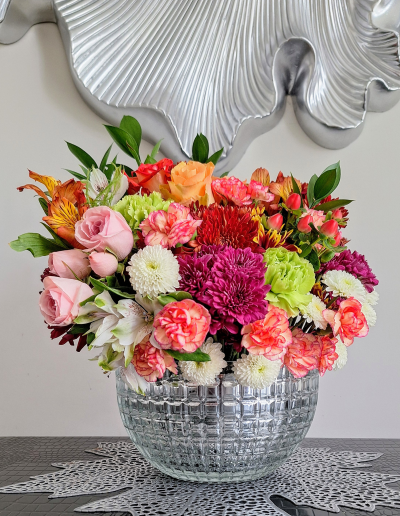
(327,256)
(155,150)
(327,182)
(58,240)
(314,260)
(105,159)
(310,190)
(125,141)
(197,356)
(132,127)
(90,338)
(149,160)
(200,149)
(111,280)
(216,156)
(295,186)
(88,300)
(225,174)
(102,286)
(331,205)
(44,205)
(79,176)
(36,244)
(83,156)
(78,329)
(305,250)
(173,296)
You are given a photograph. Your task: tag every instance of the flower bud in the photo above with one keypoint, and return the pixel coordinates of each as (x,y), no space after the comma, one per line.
(337,214)
(303,224)
(103,264)
(275,222)
(338,238)
(330,228)
(293,202)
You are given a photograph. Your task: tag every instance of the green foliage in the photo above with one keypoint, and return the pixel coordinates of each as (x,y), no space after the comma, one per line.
(312,257)
(58,240)
(125,141)
(44,205)
(82,156)
(331,205)
(197,356)
(36,244)
(310,189)
(151,158)
(201,149)
(104,160)
(132,127)
(172,297)
(79,176)
(79,329)
(99,285)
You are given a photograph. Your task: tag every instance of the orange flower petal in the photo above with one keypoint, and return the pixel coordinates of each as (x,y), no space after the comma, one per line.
(48,181)
(35,189)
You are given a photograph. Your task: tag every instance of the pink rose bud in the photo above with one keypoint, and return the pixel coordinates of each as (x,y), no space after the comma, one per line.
(303,224)
(103,264)
(59,301)
(67,263)
(330,228)
(275,222)
(103,227)
(338,238)
(293,202)
(337,214)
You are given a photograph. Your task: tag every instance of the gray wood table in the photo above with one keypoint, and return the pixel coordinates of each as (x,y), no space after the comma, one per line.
(23,457)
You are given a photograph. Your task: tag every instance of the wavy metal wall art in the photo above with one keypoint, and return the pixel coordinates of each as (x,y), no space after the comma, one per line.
(225,68)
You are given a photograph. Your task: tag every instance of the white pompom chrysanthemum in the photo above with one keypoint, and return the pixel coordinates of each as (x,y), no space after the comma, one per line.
(372,298)
(256,371)
(313,312)
(341,361)
(344,284)
(369,313)
(153,271)
(204,373)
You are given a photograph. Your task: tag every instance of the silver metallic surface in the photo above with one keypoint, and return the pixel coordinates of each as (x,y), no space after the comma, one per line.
(315,477)
(225,68)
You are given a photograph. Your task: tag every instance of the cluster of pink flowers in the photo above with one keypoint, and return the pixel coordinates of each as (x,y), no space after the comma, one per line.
(169,264)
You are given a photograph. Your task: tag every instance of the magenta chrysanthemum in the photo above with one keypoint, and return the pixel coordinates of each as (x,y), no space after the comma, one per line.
(194,272)
(241,260)
(355,264)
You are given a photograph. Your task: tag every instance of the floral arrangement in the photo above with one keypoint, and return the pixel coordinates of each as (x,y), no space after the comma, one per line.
(167,267)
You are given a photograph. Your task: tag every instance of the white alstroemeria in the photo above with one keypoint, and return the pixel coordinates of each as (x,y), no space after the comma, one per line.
(104,191)
(109,359)
(137,382)
(136,323)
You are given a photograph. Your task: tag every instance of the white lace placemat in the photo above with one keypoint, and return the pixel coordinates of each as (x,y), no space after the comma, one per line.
(314,477)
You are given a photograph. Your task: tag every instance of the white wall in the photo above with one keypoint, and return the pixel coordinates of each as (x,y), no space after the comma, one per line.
(46,389)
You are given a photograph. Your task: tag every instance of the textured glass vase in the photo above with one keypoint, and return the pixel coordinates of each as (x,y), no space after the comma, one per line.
(221,432)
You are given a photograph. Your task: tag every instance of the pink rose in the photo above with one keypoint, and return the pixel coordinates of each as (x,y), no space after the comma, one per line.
(303,354)
(328,355)
(59,301)
(67,263)
(231,190)
(167,229)
(348,322)
(103,264)
(270,336)
(103,227)
(151,363)
(317,217)
(259,192)
(182,326)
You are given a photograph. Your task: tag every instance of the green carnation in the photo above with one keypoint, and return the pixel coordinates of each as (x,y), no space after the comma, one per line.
(136,208)
(291,279)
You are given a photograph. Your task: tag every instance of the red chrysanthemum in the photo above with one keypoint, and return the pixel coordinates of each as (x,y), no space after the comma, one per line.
(226,225)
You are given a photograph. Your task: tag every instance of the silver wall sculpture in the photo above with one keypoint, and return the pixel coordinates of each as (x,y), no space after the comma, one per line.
(225,67)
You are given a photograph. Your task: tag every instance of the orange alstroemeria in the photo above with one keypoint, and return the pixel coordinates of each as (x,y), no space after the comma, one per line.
(66,205)
(283,187)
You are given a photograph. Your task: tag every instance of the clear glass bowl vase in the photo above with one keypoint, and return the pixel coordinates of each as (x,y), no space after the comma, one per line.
(221,432)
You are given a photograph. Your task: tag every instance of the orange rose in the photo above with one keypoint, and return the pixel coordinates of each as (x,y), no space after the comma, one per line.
(190,182)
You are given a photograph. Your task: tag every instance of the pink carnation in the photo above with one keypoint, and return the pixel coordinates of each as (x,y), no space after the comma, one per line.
(167,229)
(303,354)
(259,192)
(231,190)
(182,326)
(348,322)
(151,362)
(328,354)
(269,336)
(317,217)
